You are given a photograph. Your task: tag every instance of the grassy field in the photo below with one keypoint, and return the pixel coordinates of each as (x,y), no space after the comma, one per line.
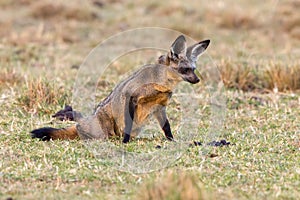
(255,47)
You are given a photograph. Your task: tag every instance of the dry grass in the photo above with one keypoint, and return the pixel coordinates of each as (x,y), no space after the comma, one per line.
(9,77)
(238,75)
(38,93)
(284,76)
(173,185)
(48,37)
(54,10)
(287,18)
(296,33)
(261,76)
(234,18)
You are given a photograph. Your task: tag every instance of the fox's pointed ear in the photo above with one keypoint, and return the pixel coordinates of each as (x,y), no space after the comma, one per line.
(178,47)
(196,50)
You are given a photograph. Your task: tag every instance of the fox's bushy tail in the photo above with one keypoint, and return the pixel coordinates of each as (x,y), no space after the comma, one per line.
(48,133)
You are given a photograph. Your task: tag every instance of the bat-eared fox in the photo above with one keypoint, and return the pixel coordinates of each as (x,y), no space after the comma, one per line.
(146,92)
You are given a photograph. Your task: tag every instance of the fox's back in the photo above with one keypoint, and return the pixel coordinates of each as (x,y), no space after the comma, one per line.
(148,74)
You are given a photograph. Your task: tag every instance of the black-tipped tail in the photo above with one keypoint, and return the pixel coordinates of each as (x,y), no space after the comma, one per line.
(48,133)
(43,133)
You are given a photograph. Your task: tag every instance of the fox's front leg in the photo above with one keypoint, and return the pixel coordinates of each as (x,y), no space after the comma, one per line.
(129,115)
(161,117)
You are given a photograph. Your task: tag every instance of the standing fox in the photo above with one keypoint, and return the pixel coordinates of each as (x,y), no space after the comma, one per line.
(129,105)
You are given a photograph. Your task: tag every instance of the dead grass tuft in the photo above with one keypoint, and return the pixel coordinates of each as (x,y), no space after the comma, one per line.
(9,77)
(263,76)
(284,77)
(47,10)
(239,76)
(38,94)
(288,18)
(232,19)
(174,186)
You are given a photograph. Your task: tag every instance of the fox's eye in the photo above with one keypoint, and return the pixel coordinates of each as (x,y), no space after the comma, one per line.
(184,70)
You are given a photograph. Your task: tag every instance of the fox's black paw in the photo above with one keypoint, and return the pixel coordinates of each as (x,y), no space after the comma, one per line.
(126,138)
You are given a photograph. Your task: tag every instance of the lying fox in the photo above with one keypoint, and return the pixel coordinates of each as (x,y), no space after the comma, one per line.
(141,95)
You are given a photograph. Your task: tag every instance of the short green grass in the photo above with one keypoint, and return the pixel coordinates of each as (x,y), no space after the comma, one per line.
(262,162)
(255,50)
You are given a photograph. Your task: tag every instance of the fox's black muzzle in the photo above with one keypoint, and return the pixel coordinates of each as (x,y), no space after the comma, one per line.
(192,80)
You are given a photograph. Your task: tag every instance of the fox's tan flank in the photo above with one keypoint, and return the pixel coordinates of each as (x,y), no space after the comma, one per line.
(144,93)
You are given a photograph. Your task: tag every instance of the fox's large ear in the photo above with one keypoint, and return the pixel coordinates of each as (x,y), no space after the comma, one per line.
(196,50)
(178,47)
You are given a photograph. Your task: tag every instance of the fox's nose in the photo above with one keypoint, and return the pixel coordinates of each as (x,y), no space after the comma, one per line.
(192,80)
(195,80)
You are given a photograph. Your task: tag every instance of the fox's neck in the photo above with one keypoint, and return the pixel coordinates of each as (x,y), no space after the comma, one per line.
(173,78)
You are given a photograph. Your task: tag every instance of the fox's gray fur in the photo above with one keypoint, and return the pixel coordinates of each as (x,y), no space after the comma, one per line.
(129,105)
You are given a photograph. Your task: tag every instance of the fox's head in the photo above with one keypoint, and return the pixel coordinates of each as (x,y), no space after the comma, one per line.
(184,59)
